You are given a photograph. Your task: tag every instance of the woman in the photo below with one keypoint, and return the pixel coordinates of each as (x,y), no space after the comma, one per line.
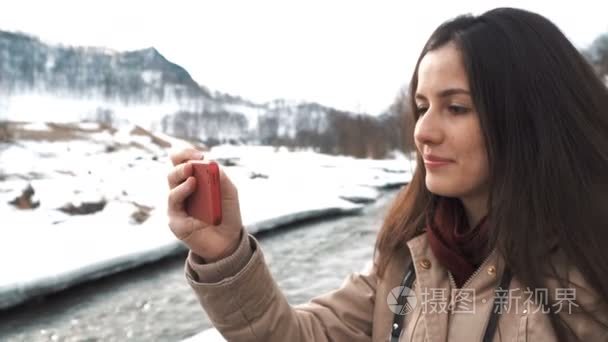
(502,233)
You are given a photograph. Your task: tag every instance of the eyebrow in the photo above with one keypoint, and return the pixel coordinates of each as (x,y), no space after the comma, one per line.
(446,93)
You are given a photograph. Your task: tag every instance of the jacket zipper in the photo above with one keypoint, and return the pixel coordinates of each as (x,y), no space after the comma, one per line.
(477,271)
(481,267)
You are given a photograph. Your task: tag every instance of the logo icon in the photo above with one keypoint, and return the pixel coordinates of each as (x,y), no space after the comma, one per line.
(401,300)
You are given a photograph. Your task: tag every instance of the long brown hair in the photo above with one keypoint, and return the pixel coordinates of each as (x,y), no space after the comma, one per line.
(544,116)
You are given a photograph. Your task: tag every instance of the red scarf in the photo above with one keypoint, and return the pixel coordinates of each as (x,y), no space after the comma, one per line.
(460,249)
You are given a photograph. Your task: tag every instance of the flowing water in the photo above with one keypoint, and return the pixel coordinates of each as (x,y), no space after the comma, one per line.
(155,303)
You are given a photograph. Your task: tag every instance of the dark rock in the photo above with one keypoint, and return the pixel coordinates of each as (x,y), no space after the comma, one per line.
(255,175)
(24,201)
(84,208)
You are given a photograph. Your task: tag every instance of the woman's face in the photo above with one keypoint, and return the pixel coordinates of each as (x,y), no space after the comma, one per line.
(447,133)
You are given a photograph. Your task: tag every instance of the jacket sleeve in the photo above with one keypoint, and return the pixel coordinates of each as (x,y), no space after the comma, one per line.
(244,302)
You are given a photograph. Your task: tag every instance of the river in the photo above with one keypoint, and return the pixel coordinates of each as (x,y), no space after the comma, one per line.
(154,302)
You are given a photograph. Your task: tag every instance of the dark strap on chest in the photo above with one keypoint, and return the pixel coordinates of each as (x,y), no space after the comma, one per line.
(408,280)
(488,336)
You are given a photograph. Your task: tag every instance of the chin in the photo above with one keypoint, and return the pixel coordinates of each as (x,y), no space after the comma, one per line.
(446,189)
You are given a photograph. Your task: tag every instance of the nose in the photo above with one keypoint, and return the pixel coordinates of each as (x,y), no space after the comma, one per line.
(428,129)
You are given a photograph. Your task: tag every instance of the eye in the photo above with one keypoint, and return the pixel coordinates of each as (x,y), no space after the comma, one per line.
(421,110)
(456,109)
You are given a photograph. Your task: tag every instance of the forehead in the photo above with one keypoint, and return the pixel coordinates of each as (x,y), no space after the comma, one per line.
(440,69)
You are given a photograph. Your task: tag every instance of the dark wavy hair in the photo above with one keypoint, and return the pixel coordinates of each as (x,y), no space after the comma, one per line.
(544,116)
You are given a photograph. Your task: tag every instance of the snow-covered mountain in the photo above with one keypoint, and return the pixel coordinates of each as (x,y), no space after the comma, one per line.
(144,76)
(43,82)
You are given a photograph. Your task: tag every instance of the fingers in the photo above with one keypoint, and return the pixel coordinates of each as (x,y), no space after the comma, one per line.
(183,227)
(179,174)
(178,195)
(184,155)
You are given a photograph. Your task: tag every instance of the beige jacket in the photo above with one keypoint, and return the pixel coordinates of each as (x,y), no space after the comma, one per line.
(245,304)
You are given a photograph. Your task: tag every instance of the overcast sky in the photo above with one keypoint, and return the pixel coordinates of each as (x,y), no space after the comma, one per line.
(352,55)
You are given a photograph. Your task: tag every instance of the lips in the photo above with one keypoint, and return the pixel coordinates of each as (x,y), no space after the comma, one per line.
(435,159)
(432,162)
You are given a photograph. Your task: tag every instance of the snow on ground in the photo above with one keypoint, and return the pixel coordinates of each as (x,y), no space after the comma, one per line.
(99,201)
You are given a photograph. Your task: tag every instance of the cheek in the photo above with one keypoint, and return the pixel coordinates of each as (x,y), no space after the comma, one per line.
(475,161)
(468,176)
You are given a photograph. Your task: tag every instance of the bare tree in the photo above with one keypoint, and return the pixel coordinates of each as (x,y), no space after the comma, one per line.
(597,53)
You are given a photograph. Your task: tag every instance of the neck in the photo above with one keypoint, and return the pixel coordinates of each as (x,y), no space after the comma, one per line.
(475,207)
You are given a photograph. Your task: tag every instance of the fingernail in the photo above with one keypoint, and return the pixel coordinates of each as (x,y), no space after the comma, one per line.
(199,155)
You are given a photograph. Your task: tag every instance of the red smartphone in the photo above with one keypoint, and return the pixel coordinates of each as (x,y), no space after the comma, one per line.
(205,203)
